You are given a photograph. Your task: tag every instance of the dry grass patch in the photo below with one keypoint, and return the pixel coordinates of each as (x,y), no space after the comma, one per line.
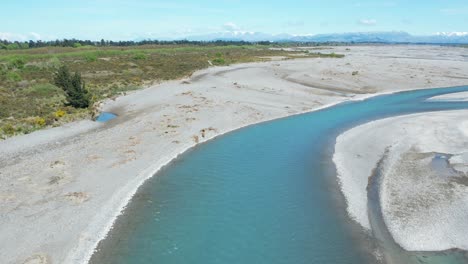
(25,75)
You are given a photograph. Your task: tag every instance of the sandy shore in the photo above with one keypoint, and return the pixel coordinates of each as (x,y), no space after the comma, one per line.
(62,188)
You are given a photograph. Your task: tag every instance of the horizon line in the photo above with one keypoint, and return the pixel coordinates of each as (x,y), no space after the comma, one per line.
(32,36)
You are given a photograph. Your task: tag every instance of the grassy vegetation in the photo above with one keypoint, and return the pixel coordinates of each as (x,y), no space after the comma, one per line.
(29,102)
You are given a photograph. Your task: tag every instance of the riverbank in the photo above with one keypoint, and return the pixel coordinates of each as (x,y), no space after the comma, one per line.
(55,181)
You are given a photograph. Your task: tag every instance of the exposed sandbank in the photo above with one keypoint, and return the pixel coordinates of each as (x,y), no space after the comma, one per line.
(461,97)
(425,208)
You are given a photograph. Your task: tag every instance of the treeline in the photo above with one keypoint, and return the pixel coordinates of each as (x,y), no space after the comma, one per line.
(76,43)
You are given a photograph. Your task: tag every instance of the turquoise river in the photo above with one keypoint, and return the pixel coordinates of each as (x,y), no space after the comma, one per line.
(264,194)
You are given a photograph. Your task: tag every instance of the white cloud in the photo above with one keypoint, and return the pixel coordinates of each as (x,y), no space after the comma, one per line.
(19,37)
(35,36)
(452,34)
(368,22)
(11,36)
(230,26)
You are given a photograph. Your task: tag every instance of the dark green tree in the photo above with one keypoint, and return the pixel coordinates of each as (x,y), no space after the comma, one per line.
(74,87)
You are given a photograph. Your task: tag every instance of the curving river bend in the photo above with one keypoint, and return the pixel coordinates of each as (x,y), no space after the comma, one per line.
(267,193)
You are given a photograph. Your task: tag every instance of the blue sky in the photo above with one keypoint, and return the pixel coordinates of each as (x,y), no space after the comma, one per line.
(127,19)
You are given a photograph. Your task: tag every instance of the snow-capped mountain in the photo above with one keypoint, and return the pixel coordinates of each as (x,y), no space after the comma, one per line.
(358,37)
(452,34)
(240,36)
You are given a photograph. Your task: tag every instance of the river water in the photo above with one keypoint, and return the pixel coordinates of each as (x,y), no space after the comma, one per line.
(266,193)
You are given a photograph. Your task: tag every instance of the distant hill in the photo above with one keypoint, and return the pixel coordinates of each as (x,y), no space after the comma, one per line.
(357,37)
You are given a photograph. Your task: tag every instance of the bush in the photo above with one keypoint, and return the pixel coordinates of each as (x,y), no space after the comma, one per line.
(140,56)
(76,45)
(219,61)
(3,72)
(334,55)
(13,76)
(13,46)
(39,121)
(9,130)
(76,93)
(16,63)
(59,113)
(90,57)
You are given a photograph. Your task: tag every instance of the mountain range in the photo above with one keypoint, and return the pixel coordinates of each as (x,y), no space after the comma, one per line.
(357,37)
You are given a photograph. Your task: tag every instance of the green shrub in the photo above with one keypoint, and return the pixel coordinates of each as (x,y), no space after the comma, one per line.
(3,71)
(77,45)
(219,61)
(139,56)
(16,63)
(334,55)
(13,76)
(76,93)
(90,57)
(13,46)
(9,130)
